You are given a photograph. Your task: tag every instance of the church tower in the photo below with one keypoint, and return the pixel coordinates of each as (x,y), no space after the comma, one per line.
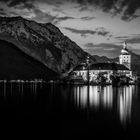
(125,57)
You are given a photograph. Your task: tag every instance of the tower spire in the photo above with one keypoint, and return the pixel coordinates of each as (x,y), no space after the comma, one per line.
(124,45)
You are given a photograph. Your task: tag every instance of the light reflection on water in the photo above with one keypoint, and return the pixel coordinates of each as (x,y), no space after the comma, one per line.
(107,97)
(125,102)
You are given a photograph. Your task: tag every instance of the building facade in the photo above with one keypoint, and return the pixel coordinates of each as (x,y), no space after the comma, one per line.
(125,57)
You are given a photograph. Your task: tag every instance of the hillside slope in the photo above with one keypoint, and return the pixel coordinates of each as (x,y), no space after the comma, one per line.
(44,42)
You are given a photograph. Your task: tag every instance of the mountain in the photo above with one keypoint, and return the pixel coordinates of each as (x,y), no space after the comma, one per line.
(14,64)
(101,59)
(43,42)
(135,61)
(105,59)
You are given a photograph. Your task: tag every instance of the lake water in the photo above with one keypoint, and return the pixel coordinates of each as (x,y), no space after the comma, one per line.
(73,111)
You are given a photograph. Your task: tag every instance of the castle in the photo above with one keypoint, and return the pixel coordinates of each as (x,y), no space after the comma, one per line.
(122,68)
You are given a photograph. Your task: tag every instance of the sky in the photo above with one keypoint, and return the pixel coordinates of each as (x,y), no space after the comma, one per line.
(99,27)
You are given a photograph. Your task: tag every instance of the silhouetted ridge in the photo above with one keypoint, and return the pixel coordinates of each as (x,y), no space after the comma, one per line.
(14,64)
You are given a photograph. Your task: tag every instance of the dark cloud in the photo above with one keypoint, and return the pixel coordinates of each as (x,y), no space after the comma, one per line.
(90,45)
(83,8)
(135,40)
(1,9)
(100,29)
(2,12)
(129,18)
(105,46)
(59,10)
(26,3)
(83,33)
(128,7)
(122,37)
(103,33)
(63,18)
(16,2)
(56,3)
(41,16)
(109,50)
(87,18)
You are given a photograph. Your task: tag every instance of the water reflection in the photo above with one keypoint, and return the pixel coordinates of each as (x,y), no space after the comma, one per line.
(14,87)
(106,97)
(125,103)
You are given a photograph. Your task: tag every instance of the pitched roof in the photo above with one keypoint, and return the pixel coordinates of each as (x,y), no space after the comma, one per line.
(102,66)
(82,66)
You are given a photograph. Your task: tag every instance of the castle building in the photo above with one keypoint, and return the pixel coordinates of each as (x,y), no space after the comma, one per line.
(93,70)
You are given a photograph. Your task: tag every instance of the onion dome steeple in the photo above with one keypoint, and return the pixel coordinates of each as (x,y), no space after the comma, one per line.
(124,50)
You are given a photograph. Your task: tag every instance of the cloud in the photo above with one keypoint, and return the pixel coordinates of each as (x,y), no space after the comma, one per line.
(87,18)
(30,10)
(25,3)
(135,40)
(132,39)
(107,49)
(103,46)
(2,13)
(127,8)
(56,3)
(83,33)
(59,10)
(129,18)
(123,38)
(16,8)
(64,18)
(41,16)
(89,45)
(102,31)
(84,7)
